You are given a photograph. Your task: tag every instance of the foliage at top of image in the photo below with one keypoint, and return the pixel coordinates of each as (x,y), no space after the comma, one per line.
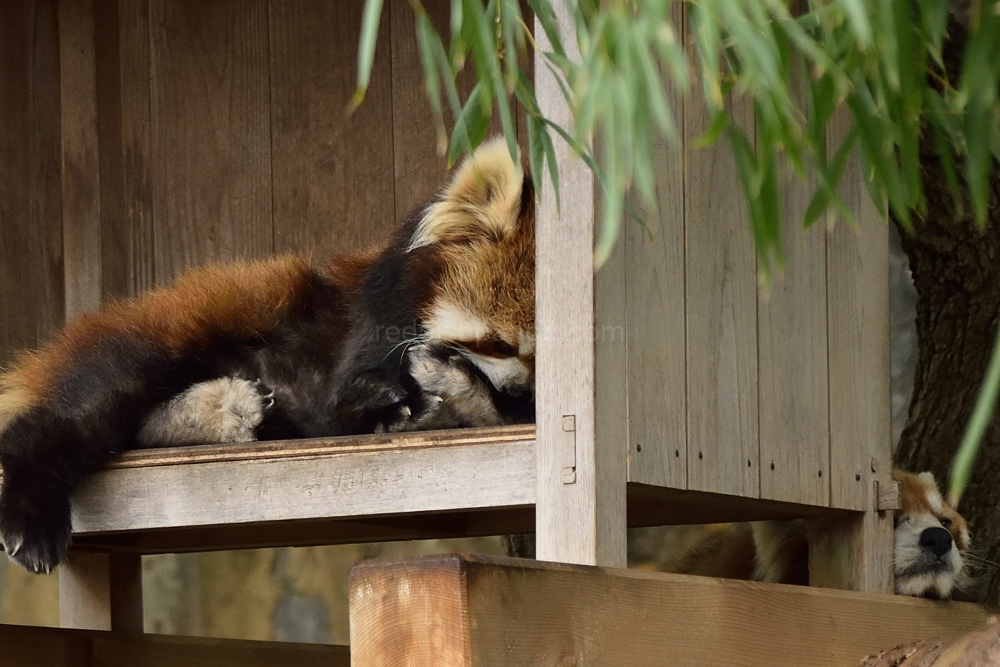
(876,65)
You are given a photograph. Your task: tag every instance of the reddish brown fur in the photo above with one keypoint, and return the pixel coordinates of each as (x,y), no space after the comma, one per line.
(244,298)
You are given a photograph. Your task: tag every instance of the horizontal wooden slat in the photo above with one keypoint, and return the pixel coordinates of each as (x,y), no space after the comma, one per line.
(52,647)
(459,483)
(340,477)
(476,611)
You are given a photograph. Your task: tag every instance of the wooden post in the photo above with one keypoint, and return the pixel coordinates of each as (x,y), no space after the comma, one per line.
(580,506)
(100,591)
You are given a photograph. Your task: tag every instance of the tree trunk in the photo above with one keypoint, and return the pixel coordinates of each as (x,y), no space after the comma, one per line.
(956,273)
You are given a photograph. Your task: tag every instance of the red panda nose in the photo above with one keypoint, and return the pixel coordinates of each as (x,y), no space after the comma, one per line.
(938,540)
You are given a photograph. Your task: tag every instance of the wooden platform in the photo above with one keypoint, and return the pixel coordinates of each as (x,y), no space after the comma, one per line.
(355,489)
(465,611)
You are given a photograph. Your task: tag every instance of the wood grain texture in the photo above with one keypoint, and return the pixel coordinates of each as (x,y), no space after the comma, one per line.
(54,647)
(420,163)
(81,186)
(332,172)
(409,613)
(858,320)
(125,147)
(211,132)
(793,395)
(515,613)
(721,298)
(337,481)
(101,592)
(31,246)
(582,521)
(657,391)
(853,553)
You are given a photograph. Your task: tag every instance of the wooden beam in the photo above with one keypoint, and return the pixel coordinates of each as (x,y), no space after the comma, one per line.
(581,478)
(472,611)
(101,592)
(54,647)
(306,479)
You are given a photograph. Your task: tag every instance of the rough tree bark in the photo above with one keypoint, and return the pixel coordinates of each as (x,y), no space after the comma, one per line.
(956,273)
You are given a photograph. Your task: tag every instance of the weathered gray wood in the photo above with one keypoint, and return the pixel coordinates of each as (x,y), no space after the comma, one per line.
(101,592)
(657,392)
(858,318)
(581,481)
(80,162)
(461,610)
(853,553)
(792,358)
(345,477)
(721,279)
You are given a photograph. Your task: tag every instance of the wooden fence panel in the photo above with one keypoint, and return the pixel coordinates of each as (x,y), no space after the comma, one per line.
(31,242)
(211,135)
(721,279)
(332,171)
(657,316)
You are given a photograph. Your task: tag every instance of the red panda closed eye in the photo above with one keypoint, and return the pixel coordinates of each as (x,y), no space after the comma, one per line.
(285,348)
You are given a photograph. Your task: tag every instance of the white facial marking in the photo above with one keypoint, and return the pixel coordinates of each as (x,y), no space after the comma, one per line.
(526,343)
(450,323)
(506,373)
(911,559)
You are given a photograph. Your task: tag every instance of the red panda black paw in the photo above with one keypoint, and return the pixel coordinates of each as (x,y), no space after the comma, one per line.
(34,530)
(220,411)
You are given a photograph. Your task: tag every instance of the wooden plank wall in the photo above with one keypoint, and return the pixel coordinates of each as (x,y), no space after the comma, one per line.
(31,234)
(191,132)
(777,393)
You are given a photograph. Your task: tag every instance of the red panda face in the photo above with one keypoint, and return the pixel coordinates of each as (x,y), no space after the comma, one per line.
(484,301)
(930,539)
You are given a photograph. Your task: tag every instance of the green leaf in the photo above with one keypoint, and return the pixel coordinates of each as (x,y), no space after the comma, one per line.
(370,19)
(471,126)
(432,84)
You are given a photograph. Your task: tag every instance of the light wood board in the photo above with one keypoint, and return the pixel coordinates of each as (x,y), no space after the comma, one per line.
(581,480)
(721,279)
(657,364)
(206,486)
(459,611)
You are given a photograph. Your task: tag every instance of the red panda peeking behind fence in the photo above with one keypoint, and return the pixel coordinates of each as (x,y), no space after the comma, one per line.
(931,539)
(434,330)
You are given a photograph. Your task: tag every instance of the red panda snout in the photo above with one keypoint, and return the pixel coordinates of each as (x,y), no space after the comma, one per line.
(930,540)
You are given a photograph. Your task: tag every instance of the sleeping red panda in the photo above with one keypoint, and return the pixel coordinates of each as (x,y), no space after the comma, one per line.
(434,330)
(931,538)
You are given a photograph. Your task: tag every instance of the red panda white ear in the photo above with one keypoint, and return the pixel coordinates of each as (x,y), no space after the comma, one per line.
(928,480)
(482,201)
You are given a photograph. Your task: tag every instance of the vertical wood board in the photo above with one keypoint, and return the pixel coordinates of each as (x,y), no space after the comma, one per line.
(721,279)
(80,158)
(858,320)
(332,171)
(657,393)
(792,358)
(31,246)
(580,506)
(420,162)
(211,132)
